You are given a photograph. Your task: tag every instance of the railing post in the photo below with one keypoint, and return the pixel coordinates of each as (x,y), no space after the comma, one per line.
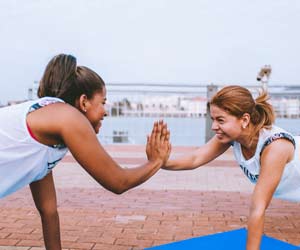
(211,90)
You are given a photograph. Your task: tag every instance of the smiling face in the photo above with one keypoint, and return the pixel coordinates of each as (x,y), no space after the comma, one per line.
(94,109)
(227,127)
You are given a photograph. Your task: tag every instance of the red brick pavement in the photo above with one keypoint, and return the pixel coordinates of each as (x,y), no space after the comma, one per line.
(152,214)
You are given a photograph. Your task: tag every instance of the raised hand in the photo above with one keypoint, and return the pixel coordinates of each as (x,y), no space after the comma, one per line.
(158,143)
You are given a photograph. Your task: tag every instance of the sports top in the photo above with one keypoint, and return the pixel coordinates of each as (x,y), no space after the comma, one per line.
(289,186)
(22,158)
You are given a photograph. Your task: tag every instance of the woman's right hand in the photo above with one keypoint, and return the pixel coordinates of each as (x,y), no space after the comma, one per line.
(158,143)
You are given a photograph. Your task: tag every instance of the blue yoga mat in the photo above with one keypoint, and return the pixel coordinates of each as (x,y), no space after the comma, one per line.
(231,240)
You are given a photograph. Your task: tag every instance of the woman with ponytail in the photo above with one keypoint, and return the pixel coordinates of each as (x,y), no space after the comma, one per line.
(35,136)
(268,155)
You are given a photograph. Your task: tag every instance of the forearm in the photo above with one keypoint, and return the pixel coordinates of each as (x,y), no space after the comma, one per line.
(44,196)
(51,231)
(138,175)
(255,230)
(179,164)
(199,157)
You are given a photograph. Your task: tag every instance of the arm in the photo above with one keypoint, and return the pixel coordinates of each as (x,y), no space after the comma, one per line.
(204,154)
(43,193)
(81,140)
(273,160)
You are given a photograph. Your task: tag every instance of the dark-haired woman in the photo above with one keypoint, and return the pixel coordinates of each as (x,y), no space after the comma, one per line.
(35,136)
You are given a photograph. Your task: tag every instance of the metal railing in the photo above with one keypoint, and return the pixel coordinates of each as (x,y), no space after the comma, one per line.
(187,100)
(132,108)
(170,101)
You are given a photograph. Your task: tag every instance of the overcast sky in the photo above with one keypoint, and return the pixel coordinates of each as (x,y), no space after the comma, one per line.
(175,41)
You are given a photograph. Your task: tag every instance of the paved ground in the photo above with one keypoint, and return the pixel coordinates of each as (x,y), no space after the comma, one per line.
(169,207)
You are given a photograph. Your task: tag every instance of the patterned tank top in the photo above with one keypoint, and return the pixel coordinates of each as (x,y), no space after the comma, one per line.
(289,186)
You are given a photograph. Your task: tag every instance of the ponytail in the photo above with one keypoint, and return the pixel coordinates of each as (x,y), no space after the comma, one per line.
(65,80)
(59,70)
(263,115)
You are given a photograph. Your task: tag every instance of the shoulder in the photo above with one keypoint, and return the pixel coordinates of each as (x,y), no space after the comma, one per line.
(278,152)
(56,118)
(54,109)
(277,143)
(63,113)
(61,108)
(269,136)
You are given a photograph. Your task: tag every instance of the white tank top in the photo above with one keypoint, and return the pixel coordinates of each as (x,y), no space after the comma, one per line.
(289,186)
(22,158)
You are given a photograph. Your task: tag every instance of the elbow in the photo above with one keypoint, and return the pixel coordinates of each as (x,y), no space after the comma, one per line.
(256,215)
(121,187)
(118,190)
(48,213)
(195,163)
(257,212)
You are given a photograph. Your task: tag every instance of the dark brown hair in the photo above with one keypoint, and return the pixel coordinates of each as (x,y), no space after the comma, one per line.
(237,100)
(65,80)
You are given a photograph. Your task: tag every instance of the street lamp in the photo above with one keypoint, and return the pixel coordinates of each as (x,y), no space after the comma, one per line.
(264,76)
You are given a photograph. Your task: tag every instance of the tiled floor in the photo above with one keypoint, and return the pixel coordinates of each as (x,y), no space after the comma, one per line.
(171,206)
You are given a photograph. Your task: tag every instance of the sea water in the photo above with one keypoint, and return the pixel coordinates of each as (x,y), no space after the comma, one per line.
(184,131)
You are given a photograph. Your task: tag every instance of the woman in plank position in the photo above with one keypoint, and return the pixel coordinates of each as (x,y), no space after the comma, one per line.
(35,136)
(268,155)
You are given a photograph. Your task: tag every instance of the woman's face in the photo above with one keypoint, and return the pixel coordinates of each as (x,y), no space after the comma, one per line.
(95,109)
(227,127)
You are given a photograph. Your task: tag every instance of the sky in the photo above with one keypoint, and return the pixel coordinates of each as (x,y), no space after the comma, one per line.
(150,41)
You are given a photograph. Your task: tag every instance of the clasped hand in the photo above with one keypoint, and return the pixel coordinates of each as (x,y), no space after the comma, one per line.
(158,143)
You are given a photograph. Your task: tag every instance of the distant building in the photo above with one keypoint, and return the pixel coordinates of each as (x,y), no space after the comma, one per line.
(285,100)
(286,107)
(32,91)
(9,103)
(163,106)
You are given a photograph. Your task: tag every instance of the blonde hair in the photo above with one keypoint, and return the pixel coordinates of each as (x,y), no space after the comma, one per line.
(237,101)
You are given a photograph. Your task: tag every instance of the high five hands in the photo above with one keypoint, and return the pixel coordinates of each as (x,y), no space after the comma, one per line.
(158,143)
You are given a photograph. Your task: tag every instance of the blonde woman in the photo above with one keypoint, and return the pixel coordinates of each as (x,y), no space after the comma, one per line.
(268,155)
